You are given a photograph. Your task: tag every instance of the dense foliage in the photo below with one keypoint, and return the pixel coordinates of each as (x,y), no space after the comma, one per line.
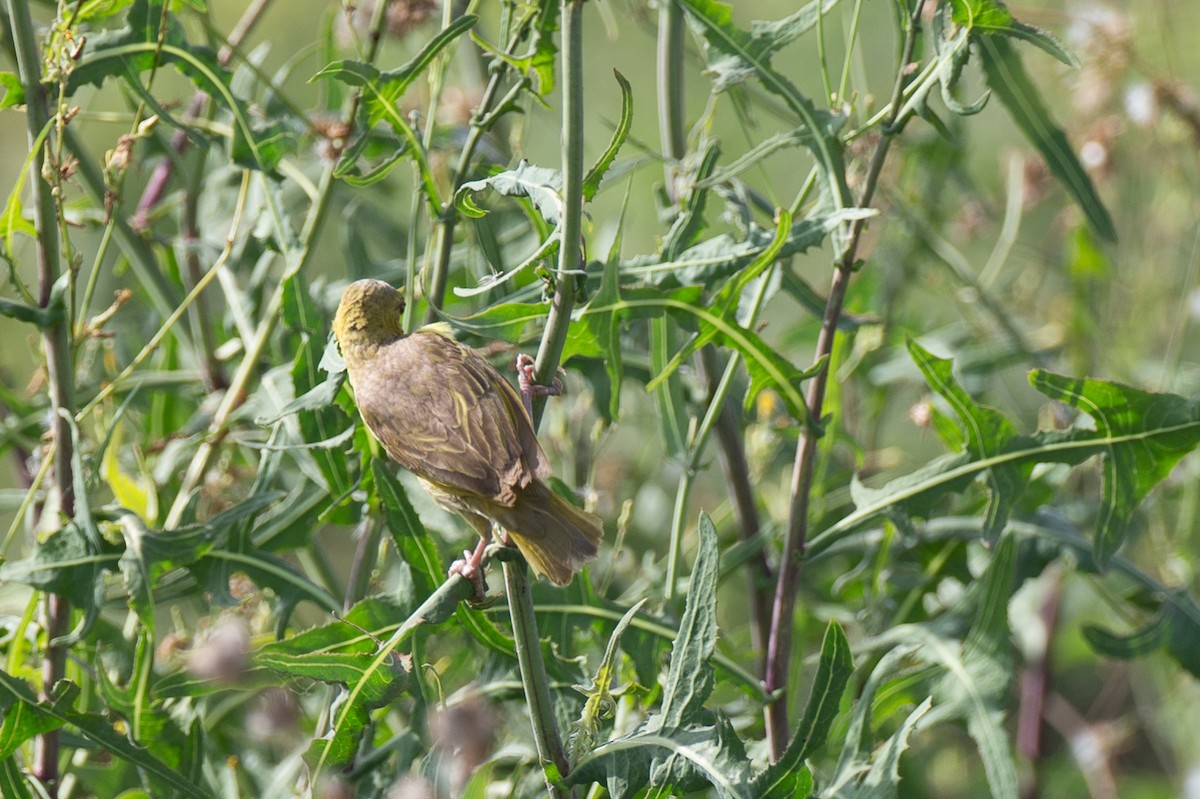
(874,527)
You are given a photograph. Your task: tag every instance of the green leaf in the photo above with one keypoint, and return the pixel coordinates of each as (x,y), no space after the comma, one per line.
(14,92)
(690,679)
(12,782)
(413,542)
(66,562)
(987,433)
(1141,436)
(689,224)
(346,651)
(789,777)
(681,746)
(507,321)
(385,89)
(713,260)
(591,181)
(1007,79)
(537,65)
(600,693)
(541,185)
(141,46)
(976,686)
(882,779)
(319,419)
(734,56)
(860,774)
(1175,628)
(381,92)
(993,17)
(59,710)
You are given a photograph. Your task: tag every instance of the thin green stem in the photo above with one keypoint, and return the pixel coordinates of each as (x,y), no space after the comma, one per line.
(533,671)
(571,246)
(520,598)
(486,114)
(176,314)
(779,644)
(56,341)
(851,42)
(671,131)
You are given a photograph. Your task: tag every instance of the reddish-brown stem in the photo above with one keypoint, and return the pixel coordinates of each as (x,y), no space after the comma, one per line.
(779,642)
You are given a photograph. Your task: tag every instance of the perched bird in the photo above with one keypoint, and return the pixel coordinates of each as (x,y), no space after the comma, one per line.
(445,414)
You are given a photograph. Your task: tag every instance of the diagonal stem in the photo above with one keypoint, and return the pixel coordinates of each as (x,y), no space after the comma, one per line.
(779,644)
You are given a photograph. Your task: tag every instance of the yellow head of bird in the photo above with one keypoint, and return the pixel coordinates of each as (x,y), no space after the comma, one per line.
(369,314)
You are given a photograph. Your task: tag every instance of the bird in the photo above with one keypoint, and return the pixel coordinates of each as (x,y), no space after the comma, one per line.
(444,413)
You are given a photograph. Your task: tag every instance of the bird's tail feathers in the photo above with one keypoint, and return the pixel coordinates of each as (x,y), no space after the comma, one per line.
(555,537)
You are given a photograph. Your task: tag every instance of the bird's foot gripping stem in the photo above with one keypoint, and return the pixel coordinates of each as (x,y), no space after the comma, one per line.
(470,567)
(529,388)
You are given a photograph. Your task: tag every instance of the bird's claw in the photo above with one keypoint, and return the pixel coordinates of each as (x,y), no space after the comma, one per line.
(530,388)
(469,567)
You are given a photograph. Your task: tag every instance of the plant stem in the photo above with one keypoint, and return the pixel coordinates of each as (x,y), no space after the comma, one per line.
(56,341)
(671,134)
(520,597)
(783,607)
(481,122)
(533,671)
(571,245)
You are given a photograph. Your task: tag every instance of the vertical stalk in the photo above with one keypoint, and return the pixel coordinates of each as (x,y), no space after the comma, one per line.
(520,598)
(533,672)
(786,585)
(571,247)
(56,343)
(671,134)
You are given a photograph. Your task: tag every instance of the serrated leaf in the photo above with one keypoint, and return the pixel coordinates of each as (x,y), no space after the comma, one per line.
(538,64)
(66,562)
(993,17)
(689,678)
(1141,435)
(978,690)
(681,746)
(591,181)
(713,260)
(987,433)
(882,779)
